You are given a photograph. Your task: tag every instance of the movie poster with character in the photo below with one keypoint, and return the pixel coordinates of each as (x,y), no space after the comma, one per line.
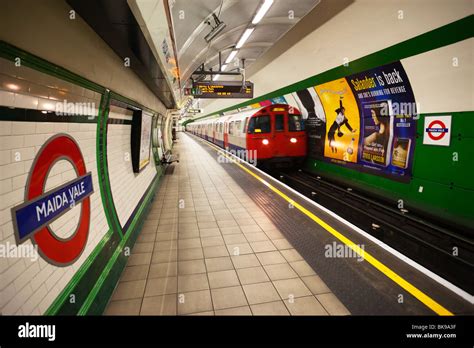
(342,121)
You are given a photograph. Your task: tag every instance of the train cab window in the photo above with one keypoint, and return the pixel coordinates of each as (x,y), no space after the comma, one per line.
(295,123)
(279,123)
(231,128)
(259,124)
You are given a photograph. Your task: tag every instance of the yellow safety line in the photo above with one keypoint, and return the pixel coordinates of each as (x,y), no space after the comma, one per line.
(413,290)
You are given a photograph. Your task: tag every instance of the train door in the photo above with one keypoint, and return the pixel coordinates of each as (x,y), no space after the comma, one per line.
(239,136)
(226,137)
(214,125)
(279,134)
(220,134)
(231,135)
(246,124)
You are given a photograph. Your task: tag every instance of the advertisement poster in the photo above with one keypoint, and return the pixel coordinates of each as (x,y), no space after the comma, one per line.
(364,121)
(388,119)
(342,120)
(145,140)
(279,100)
(312,110)
(378,132)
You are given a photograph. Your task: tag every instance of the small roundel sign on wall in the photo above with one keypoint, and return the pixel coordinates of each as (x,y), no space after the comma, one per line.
(32,219)
(437,130)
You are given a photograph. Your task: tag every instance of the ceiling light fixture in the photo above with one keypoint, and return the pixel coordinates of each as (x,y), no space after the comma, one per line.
(231,56)
(215,29)
(262,11)
(245,37)
(13,86)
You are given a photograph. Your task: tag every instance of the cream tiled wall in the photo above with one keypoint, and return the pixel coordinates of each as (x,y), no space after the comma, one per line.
(29,287)
(127,187)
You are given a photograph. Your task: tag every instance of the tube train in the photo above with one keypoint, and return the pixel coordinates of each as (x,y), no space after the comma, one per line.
(271,136)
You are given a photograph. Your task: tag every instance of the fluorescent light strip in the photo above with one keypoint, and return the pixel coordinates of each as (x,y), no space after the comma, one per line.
(216,77)
(245,37)
(231,57)
(262,11)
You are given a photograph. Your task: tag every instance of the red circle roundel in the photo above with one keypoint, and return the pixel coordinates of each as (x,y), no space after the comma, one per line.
(439,135)
(56,250)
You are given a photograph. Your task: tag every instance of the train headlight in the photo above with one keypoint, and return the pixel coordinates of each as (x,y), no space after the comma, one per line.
(293,140)
(265,142)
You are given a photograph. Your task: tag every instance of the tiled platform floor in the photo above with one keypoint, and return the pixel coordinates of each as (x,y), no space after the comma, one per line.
(207,249)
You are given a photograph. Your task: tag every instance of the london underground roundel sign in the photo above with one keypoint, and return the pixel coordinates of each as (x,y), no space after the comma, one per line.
(437,130)
(32,218)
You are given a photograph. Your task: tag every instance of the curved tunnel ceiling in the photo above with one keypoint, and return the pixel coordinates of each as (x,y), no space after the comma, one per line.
(189,25)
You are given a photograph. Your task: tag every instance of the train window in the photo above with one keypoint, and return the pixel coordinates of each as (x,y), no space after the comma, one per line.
(295,123)
(259,124)
(279,122)
(231,128)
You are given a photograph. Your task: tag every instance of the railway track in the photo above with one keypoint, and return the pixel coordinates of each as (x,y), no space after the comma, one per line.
(446,252)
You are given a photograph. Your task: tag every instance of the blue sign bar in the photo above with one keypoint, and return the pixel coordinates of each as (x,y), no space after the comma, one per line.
(33,215)
(437,130)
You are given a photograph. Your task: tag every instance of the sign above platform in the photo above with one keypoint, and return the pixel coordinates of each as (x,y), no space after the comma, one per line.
(220,90)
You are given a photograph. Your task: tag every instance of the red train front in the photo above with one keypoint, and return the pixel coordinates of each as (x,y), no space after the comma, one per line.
(271,136)
(277,135)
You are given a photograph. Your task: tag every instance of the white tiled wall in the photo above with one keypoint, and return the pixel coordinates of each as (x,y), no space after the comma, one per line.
(29,287)
(127,187)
